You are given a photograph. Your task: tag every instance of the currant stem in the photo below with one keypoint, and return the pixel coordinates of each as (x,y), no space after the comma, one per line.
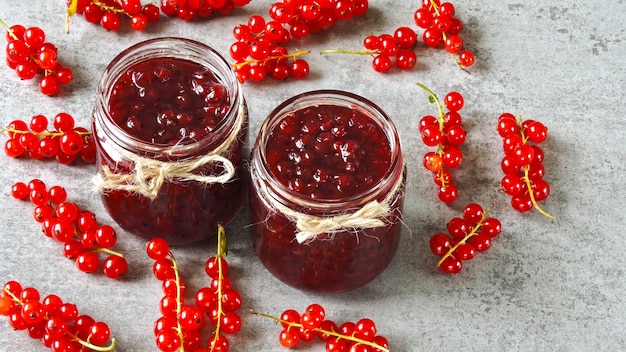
(179,303)
(325,332)
(532,196)
(107,7)
(526,178)
(6,26)
(432,97)
(41,134)
(109,251)
(72,8)
(270,58)
(95,347)
(467,237)
(222,249)
(352,52)
(15,299)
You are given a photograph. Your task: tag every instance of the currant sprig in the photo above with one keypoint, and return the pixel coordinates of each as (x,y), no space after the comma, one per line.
(57,323)
(441,27)
(109,13)
(275,65)
(312,323)
(188,10)
(467,235)
(446,133)
(179,327)
(385,47)
(78,229)
(65,142)
(523,162)
(29,54)
(222,249)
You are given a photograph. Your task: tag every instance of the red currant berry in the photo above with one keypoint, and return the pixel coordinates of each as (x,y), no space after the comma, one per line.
(313,316)
(157,248)
(440,243)
(49,85)
(381,63)
(451,265)
(466,58)
(448,193)
(454,101)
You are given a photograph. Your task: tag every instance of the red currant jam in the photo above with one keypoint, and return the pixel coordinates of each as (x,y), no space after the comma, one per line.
(327,191)
(170,125)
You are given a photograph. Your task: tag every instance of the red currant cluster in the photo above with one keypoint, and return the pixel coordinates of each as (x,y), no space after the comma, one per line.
(180,324)
(441,27)
(79,231)
(65,143)
(312,323)
(28,54)
(260,47)
(384,47)
(467,235)
(523,162)
(444,132)
(109,13)
(56,323)
(190,9)
(400,45)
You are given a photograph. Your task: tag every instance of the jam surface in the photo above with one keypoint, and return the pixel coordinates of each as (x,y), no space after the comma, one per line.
(328,152)
(168,101)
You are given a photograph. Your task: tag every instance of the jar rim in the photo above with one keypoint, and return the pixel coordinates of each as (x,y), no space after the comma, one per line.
(178,48)
(329,97)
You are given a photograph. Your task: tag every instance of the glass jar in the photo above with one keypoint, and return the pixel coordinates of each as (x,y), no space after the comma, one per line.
(327,191)
(170,124)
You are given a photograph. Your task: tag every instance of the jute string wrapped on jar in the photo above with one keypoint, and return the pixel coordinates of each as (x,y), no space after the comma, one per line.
(373,214)
(149,174)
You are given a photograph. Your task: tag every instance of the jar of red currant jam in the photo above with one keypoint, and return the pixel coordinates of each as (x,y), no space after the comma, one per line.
(327,191)
(170,124)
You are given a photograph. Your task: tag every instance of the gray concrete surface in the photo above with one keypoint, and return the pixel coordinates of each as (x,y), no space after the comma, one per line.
(545,285)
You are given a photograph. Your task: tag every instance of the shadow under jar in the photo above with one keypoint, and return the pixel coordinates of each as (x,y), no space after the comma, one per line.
(327,191)
(170,123)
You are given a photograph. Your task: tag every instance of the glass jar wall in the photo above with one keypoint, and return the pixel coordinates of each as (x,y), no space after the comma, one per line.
(170,123)
(327,191)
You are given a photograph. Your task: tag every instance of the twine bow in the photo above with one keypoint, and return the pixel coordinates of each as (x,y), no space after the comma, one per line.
(150,175)
(373,214)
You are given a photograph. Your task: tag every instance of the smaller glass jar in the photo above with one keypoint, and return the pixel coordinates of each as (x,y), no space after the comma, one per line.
(170,123)
(327,191)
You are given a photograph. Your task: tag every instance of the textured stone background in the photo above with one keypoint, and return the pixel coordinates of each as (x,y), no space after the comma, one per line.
(545,285)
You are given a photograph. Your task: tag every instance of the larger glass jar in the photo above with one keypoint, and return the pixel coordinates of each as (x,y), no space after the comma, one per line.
(327,191)
(170,123)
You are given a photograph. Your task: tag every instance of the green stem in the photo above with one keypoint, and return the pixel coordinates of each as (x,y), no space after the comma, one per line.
(432,97)
(352,52)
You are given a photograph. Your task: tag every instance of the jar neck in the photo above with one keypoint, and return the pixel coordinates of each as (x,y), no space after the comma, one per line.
(269,186)
(178,48)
